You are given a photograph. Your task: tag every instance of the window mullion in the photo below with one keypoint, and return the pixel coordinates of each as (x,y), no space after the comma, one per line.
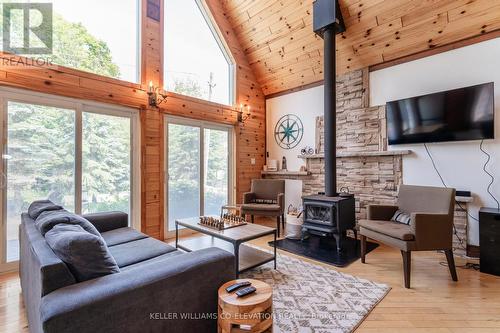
(202,170)
(79,159)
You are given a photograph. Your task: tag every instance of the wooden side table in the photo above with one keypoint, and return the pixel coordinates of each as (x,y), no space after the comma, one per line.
(252,313)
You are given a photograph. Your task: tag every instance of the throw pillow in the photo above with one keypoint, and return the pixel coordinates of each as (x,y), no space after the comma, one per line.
(266,201)
(401,217)
(49,219)
(86,255)
(40,206)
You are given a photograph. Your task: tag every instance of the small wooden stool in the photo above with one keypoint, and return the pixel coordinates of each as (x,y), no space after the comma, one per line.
(252,313)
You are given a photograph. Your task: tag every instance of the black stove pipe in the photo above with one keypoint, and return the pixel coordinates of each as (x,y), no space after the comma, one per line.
(330,112)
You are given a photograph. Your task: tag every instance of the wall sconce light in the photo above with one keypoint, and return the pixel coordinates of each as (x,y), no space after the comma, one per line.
(242,116)
(156,96)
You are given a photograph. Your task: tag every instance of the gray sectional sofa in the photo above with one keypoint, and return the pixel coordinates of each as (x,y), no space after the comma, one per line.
(157,288)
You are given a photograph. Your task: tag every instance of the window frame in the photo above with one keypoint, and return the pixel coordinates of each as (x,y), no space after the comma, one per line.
(223,46)
(79,107)
(201,125)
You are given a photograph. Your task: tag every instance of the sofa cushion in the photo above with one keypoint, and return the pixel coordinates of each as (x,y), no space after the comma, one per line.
(122,235)
(106,221)
(86,255)
(156,260)
(41,270)
(389,228)
(40,206)
(143,249)
(49,219)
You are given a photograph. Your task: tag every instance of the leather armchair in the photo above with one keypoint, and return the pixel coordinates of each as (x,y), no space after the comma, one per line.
(431,226)
(266,198)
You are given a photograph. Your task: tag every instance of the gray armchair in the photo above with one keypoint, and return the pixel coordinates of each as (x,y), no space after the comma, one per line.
(266,198)
(431,226)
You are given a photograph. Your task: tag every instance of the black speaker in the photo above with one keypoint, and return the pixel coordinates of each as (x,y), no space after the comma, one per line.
(489,240)
(326,14)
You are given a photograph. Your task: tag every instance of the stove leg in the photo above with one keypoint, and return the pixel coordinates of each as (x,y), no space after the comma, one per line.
(338,240)
(304,235)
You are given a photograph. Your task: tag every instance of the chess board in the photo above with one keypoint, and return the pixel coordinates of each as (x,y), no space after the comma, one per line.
(220,224)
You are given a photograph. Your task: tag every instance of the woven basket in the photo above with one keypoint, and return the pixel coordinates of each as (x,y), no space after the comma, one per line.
(293,226)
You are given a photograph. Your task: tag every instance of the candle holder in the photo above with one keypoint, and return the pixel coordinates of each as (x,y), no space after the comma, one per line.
(156,96)
(242,116)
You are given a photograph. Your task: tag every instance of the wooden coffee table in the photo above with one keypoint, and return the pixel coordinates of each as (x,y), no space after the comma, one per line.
(231,240)
(253,311)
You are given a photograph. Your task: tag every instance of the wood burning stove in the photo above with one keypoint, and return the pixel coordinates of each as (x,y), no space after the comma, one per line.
(329,214)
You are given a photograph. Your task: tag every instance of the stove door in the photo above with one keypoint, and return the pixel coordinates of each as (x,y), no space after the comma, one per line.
(319,213)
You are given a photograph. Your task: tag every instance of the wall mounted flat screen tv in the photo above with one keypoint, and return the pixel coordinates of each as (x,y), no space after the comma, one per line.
(455,115)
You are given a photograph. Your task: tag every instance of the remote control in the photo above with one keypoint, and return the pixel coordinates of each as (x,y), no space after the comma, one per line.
(245,291)
(237,285)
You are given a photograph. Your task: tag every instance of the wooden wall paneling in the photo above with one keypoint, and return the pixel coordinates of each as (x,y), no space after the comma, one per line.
(279,42)
(69,82)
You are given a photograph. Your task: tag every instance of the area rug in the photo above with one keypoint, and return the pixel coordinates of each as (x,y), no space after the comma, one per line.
(324,249)
(311,298)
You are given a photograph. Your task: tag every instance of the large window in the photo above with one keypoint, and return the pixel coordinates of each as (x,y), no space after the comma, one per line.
(97,36)
(77,155)
(196,63)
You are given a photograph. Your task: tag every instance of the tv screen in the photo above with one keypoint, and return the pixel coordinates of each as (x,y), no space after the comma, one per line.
(454,115)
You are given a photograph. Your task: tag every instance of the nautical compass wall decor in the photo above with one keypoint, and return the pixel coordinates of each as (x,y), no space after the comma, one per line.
(288,131)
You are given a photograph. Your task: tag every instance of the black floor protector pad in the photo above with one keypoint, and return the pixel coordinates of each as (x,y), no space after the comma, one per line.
(324,249)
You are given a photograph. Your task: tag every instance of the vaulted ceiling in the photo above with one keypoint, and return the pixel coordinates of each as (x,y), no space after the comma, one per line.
(284,53)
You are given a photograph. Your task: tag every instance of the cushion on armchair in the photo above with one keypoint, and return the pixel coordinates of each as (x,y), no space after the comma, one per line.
(261,207)
(86,255)
(389,228)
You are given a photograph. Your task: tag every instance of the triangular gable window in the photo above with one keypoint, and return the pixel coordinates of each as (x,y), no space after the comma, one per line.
(195,60)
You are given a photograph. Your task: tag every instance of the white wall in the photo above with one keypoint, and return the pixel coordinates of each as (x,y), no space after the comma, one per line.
(460,163)
(307,105)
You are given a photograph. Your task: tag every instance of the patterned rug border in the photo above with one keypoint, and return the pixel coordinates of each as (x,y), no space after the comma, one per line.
(389,288)
(316,263)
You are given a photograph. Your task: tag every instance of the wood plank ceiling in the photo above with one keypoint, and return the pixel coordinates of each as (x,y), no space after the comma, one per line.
(284,53)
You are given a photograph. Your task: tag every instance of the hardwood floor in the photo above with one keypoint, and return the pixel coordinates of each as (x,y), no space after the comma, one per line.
(434,304)
(12,314)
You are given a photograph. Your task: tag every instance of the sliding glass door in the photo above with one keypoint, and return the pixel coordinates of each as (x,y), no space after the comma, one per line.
(77,155)
(198,169)
(216,166)
(106,163)
(40,162)
(184,186)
